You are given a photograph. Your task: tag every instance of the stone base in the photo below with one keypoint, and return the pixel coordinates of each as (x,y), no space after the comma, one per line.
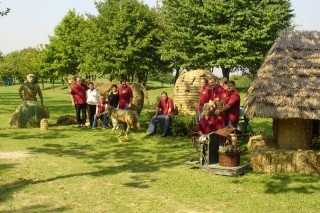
(227,171)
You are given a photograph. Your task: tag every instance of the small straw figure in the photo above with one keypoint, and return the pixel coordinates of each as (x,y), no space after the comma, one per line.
(44,124)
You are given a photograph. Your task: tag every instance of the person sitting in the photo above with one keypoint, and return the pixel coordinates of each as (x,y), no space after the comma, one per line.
(101,108)
(165,110)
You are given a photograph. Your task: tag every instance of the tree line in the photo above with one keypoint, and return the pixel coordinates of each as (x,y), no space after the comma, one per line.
(129,40)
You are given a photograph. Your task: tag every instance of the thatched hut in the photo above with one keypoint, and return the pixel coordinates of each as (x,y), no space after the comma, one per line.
(287,89)
(187,89)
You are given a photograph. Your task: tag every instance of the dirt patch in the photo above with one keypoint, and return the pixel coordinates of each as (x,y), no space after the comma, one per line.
(14,155)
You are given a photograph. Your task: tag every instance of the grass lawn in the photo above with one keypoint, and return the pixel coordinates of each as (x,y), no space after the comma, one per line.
(67,169)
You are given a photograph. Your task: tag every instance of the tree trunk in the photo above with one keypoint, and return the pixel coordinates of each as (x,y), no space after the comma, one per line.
(226,72)
(177,75)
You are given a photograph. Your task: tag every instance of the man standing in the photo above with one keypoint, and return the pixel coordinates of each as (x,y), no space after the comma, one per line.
(92,100)
(125,96)
(78,93)
(205,94)
(216,89)
(225,91)
(165,110)
(232,106)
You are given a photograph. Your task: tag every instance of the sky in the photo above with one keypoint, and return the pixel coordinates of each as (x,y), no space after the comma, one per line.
(30,22)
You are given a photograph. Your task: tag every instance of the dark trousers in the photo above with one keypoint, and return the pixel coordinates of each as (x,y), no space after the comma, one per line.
(91,113)
(81,113)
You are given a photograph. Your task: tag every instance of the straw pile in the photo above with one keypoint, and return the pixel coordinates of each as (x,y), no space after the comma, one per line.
(187,89)
(260,142)
(44,124)
(306,161)
(287,84)
(138,90)
(67,120)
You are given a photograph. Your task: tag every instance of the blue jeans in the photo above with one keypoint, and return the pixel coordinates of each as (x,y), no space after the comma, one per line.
(81,113)
(156,119)
(104,120)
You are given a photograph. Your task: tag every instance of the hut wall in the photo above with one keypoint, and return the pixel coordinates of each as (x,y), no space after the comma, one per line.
(187,89)
(293,133)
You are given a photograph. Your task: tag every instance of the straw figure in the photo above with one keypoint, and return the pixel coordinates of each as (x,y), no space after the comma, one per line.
(187,89)
(287,89)
(129,118)
(138,90)
(29,113)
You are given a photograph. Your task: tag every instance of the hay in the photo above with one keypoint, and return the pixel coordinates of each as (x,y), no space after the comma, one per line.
(67,120)
(187,89)
(28,115)
(260,142)
(44,124)
(138,90)
(306,162)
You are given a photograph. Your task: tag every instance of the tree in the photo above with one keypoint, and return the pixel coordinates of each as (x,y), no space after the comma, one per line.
(62,53)
(221,33)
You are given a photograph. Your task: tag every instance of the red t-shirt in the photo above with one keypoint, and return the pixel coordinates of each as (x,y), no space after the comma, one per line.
(101,107)
(234,103)
(124,96)
(164,106)
(79,93)
(220,121)
(206,126)
(225,96)
(216,92)
(205,95)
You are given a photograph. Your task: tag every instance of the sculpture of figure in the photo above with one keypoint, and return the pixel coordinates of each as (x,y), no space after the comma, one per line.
(29,113)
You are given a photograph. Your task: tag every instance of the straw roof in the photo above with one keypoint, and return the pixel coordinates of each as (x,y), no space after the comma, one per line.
(288,82)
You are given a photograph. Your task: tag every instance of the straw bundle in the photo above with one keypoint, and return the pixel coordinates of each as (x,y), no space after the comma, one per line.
(287,84)
(187,89)
(306,162)
(44,124)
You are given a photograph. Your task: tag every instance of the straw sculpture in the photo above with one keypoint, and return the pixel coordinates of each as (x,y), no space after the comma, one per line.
(287,84)
(187,89)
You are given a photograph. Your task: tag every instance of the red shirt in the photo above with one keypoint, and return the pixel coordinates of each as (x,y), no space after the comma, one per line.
(205,95)
(225,96)
(234,103)
(125,94)
(216,92)
(165,105)
(101,107)
(78,93)
(206,126)
(220,121)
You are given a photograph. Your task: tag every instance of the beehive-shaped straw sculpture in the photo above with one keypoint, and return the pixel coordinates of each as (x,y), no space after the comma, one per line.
(187,89)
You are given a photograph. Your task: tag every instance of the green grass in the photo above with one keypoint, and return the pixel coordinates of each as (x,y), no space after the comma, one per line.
(79,170)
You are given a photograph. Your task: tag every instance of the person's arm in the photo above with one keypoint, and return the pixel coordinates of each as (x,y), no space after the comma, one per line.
(223,109)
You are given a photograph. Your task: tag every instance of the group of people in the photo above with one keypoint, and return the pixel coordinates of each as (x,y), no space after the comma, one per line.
(218,105)
(85,97)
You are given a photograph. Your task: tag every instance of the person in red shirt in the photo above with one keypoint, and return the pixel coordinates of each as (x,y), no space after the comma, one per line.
(232,106)
(206,124)
(205,94)
(165,110)
(79,101)
(125,96)
(225,92)
(220,120)
(100,109)
(216,90)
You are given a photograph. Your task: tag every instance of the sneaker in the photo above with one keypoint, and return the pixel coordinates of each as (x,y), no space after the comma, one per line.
(79,125)
(150,134)
(163,135)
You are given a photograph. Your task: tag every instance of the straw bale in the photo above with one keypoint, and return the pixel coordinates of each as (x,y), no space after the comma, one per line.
(44,124)
(67,120)
(302,161)
(187,89)
(138,90)
(260,142)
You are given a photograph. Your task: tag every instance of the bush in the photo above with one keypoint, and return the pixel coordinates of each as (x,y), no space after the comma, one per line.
(182,124)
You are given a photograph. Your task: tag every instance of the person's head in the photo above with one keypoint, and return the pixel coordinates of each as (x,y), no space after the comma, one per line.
(90,85)
(123,83)
(101,99)
(114,88)
(79,80)
(223,81)
(218,104)
(31,78)
(203,82)
(164,95)
(206,109)
(231,85)
(212,83)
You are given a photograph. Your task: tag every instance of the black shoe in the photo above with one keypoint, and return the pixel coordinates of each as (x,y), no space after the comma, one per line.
(163,135)
(150,134)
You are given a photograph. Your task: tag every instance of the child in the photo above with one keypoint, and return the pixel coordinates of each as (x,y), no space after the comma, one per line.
(101,108)
(220,120)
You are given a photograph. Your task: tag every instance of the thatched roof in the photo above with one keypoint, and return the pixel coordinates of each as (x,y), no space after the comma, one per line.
(288,82)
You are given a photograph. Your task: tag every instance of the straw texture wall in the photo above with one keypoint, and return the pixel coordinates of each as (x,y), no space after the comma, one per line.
(287,84)
(187,89)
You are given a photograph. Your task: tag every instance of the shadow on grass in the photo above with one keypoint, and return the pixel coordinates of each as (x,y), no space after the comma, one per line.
(298,183)
(39,208)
